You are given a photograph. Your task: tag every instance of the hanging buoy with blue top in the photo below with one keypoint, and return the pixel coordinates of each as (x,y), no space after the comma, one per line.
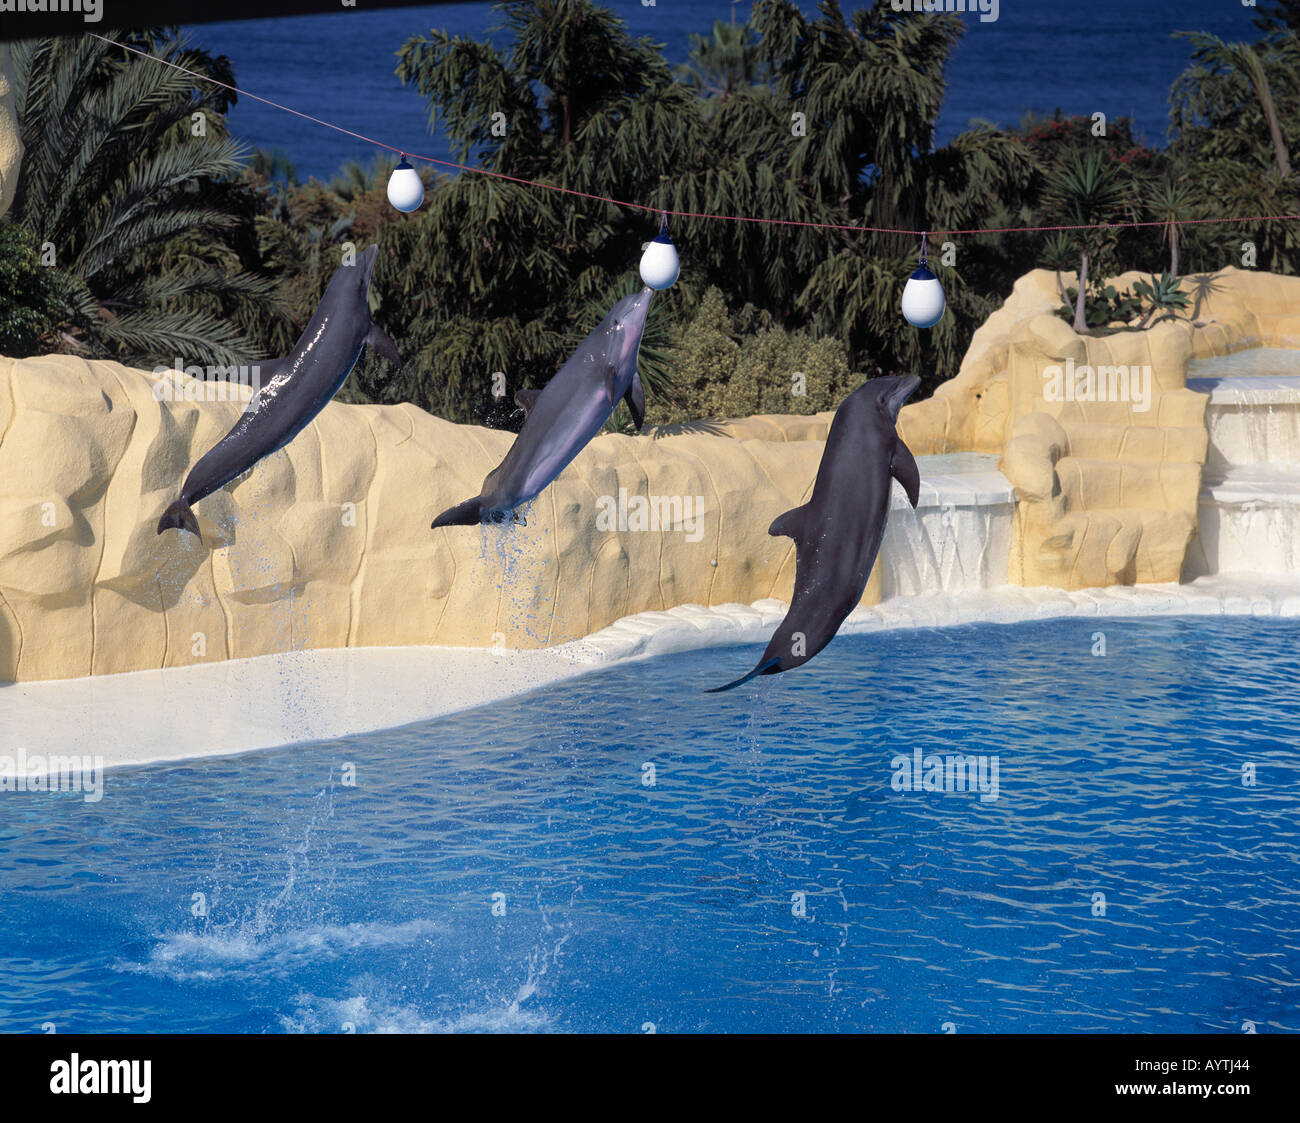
(660,266)
(923,299)
(405,187)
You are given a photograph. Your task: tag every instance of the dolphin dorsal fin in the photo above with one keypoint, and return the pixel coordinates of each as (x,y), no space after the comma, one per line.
(635,398)
(902,466)
(526,399)
(791,524)
(380,343)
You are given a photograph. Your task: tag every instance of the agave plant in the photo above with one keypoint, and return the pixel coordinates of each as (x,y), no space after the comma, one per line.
(1163,295)
(123,156)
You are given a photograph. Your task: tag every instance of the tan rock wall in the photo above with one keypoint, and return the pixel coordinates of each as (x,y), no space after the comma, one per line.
(327,543)
(1108,489)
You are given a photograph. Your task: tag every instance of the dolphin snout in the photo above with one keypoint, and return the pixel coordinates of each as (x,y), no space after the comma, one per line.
(366,259)
(638,308)
(630,318)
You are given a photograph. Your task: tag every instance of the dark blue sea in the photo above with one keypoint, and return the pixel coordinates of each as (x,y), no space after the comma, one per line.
(1114,56)
(623,852)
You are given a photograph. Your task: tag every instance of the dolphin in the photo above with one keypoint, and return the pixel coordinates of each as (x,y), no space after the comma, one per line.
(299,387)
(565,414)
(837,532)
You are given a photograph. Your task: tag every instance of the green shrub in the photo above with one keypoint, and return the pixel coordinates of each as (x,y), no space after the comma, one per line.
(29,294)
(719,370)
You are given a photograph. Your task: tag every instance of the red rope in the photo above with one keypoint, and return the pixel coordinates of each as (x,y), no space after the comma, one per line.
(677,214)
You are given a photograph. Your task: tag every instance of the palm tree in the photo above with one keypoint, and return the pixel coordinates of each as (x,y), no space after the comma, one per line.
(591,108)
(1213,53)
(1279,15)
(1169,202)
(1085,191)
(724,62)
(355,178)
(1058,254)
(113,174)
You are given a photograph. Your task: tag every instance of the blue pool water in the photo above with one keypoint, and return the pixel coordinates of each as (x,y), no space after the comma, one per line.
(370,907)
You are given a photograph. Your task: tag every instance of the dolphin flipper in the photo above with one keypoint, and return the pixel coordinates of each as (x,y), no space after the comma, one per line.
(789,525)
(379,342)
(463,514)
(526,399)
(635,398)
(769,668)
(903,468)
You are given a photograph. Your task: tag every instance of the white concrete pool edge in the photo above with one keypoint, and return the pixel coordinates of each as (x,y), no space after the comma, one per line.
(243,705)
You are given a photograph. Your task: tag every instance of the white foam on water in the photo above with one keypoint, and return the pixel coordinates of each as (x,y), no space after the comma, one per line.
(363,1013)
(372,1010)
(234,950)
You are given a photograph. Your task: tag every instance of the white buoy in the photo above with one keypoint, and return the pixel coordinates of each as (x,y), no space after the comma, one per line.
(923,299)
(660,266)
(405,188)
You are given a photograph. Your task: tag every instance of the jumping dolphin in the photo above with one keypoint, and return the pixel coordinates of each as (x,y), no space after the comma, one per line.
(300,386)
(837,532)
(565,415)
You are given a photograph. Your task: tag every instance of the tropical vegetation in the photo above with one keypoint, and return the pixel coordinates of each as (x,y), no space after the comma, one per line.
(142,231)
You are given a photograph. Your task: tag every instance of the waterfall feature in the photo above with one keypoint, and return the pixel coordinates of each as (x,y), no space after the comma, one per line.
(959,537)
(1249,516)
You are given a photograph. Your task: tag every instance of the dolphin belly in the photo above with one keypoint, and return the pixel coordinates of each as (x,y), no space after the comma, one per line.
(562,452)
(266,427)
(565,415)
(301,387)
(838,532)
(540,453)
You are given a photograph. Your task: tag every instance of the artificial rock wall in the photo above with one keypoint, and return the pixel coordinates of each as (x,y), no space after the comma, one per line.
(327,543)
(1107,489)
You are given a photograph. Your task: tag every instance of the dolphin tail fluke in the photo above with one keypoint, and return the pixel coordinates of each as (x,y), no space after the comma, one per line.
(181,516)
(463,514)
(768,668)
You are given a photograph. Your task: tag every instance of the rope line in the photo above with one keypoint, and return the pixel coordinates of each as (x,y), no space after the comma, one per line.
(404,152)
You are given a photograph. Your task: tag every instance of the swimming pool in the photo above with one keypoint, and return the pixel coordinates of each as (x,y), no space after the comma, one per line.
(674,861)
